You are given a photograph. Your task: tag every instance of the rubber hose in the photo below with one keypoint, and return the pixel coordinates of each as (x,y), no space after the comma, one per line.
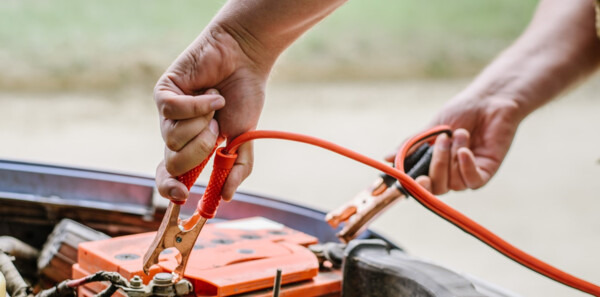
(18,249)
(15,284)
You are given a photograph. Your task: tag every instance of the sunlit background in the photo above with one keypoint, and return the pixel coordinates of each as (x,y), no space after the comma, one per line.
(76,85)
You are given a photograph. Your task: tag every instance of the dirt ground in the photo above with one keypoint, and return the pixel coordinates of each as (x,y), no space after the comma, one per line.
(544,199)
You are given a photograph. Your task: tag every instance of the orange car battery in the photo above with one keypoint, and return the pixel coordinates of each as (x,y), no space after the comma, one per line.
(229,258)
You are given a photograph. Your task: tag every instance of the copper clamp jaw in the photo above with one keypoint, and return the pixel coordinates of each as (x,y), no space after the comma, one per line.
(174,233)
(363,208)
(366,205)
(182,234)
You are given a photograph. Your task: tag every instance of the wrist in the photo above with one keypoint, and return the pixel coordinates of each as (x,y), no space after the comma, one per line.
(264,28)
(251,50)
(507,106)
(515,99)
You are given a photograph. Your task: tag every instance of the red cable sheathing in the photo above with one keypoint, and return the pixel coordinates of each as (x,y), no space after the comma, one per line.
(480,232)
(189,178)
(429,201)
(212,195)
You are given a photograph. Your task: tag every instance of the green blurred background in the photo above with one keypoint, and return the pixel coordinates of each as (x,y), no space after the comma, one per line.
(70,44)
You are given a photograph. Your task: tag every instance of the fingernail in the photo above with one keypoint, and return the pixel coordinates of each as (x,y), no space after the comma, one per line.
(444,142)
(214,127)
(217,103)
(212,91)
(176,194)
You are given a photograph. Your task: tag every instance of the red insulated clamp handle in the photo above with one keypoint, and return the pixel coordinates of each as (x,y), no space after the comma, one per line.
(207,207)
(190,177)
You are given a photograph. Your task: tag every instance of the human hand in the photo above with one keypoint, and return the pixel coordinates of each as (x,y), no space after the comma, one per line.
(213,91)
(483,130)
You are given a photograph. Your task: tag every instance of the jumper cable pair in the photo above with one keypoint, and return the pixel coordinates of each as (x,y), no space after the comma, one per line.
(182,234)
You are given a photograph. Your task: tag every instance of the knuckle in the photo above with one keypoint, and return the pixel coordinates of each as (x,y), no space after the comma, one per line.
(173,163)
(173,144)
(172,168)
(167,107)
(206,144)
(198,108)
(158,94)
(172,141)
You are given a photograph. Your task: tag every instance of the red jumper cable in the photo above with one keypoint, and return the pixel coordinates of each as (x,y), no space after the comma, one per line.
(225,159)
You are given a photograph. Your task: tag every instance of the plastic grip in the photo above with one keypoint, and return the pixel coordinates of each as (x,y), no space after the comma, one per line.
(416,163)
(421,166)
(207,207)
(414,158)
(190,177)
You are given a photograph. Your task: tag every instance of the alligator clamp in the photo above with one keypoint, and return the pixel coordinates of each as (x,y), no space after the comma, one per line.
(173,235)
(363,208)
(182,234)
(366,205)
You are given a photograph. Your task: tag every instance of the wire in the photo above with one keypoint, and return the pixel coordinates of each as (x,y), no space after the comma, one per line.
(466,224)
(427,199)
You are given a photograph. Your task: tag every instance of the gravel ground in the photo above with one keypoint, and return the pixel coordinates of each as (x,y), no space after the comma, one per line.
(541,200)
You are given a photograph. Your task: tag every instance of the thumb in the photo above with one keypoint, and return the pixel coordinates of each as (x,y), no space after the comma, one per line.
(240,171)
(389,157)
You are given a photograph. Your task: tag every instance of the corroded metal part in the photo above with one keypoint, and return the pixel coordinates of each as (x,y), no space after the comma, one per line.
(174,233)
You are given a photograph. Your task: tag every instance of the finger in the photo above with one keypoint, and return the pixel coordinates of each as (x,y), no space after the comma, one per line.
(460,139)
(439,168)
(390,157)
(175,106)
(177,134)
(471,174)
(193,153)
(168,186)
(240,171)
(425,182)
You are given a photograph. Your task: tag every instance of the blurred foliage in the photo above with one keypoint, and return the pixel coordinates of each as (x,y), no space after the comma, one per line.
(70,44)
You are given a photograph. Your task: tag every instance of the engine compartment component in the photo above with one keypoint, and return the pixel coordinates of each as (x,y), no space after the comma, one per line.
(229,258)
(35,197)
(60,250)
(15,284)
(23,255)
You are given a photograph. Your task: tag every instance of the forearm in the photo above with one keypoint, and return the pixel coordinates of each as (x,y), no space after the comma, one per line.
(559,48)
(264,28)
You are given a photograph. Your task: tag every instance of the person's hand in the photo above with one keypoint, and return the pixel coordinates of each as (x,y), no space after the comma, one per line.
(483,130)
(213,91)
